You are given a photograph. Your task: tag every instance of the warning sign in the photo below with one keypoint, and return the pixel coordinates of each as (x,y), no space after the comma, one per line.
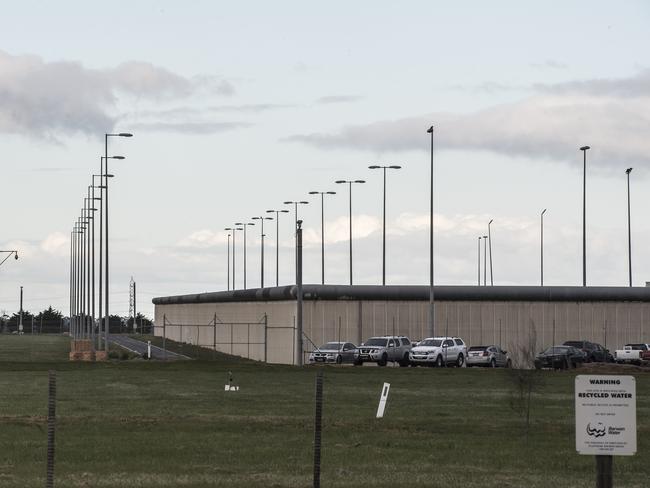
(605,415)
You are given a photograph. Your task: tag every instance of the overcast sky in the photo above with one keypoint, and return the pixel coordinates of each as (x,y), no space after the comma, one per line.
(239,106)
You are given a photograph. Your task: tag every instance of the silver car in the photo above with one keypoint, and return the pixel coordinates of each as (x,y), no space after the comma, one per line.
(333,352)
(382,349)
(488,356)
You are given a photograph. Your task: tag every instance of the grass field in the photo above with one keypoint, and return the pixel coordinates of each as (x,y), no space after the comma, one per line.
(153,424)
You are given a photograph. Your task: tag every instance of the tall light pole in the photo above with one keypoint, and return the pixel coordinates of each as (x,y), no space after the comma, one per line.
(383,240)
(541,248)
(629,225)
(262,219)
(295,226)
(244,225)
(233,229)
(322,229)
(490,245)
(228,262)
(584,150)
(431,291)
(277,243)
(349,183)
(485,260)
(479,260)
(106,290)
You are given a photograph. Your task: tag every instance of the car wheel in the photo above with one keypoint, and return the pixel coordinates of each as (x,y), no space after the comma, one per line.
(339,359)
(493,363)
(460,361)
(384,360)
(439,361)
(565,365)
(358,362)
(405,361)
(509,364)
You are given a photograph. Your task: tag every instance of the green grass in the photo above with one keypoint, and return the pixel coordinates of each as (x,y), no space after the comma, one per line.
(154,424)
(28,348)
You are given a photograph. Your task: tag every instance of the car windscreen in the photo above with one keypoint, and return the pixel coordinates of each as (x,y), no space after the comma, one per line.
(637,347)
(577,344)
(430,342)
(332,345)
(557,350)
(478,348)
(376,341)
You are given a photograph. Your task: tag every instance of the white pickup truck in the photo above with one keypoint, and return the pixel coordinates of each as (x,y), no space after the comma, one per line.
(633,353)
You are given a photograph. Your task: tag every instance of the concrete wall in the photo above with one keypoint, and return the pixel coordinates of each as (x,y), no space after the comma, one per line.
(508,323)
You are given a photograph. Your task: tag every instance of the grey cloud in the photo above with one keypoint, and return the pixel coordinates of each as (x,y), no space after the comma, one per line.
(550,63)
(190,127)
(545,126)
(634,86)
(339,99)
(45,99)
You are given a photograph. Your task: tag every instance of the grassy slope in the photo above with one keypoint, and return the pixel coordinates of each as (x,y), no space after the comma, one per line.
(151,424)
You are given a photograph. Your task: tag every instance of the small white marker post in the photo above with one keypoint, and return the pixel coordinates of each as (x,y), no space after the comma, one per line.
(230,386)
(382,400)
(148,349)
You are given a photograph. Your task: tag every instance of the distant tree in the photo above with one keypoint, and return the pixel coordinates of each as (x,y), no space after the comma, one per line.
(49,314)
(141,321)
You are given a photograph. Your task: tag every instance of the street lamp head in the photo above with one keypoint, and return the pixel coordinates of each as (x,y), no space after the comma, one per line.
(109,176)
(288,203)
(117,157)
(374,166)
(584,148)
(395,166)
(491,220)
(228,228)
(303,202)
(359,181)
(125,134)
(16,255)
(543,211)
(330,192)
(485,237)
(628,170)
(430,130)
(314,192)
(340,181)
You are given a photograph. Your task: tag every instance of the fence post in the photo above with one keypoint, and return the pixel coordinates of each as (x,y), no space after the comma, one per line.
(266,336)
(318,427)
(231,339)
(51,424)
(164,336)
(214,337)
(181,338)
(248,342)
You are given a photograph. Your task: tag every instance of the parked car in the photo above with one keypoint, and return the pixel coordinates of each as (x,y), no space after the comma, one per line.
(333,352)
(439,351)
(380,350)
(633,353)
(492,356)
(595,352)
(560,357)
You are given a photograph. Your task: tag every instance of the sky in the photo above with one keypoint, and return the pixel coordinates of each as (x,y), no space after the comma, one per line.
(237,107)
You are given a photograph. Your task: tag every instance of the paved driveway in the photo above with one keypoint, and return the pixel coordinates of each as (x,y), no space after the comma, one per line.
(140,347)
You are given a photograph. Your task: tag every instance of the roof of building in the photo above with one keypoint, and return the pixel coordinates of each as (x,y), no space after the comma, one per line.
(420,293)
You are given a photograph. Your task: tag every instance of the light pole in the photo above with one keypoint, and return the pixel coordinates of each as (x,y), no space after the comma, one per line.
(14,252)
(584,150)
(295,226)
(383,241)
(106,290)
(349,183)
(233,229)
(541,248)
(485,260)
(479,260)
(228,262)
(262,219)
(322,229)
(244,225)
(629,225)
(277,243)
(431,291)
(490,245)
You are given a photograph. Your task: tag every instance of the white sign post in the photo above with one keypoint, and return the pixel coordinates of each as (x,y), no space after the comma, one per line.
(382,400)
(605,420)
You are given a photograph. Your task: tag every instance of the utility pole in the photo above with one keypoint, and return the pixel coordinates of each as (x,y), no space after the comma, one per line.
(20,324)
